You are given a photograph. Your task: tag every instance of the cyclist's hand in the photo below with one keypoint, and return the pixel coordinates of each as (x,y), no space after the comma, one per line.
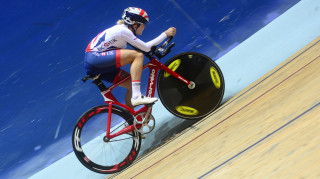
(170,32)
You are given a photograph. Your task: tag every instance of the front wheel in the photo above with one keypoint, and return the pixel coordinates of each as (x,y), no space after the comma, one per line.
(191,102)
(98,153)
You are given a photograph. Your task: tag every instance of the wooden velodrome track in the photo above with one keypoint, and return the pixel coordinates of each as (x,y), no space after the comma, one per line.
(271,129)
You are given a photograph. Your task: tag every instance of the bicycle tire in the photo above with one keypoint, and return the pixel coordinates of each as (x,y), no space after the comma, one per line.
(88,143)
(188,103)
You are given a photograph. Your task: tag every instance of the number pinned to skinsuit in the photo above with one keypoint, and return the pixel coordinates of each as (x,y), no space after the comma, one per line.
(173,66)
(215,77)
(187,110)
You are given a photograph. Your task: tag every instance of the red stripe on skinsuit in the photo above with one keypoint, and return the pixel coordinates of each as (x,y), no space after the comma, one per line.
(118,58)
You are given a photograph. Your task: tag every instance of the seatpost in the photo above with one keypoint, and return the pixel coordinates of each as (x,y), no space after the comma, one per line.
(100,85)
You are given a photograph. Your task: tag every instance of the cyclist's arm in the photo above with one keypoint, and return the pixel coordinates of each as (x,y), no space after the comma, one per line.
(146,47)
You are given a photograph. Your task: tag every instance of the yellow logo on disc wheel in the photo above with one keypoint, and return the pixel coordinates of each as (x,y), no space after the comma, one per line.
(187,110)
(173,66)
(215,77)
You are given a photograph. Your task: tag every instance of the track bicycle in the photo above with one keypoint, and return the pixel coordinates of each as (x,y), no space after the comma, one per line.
(107,138)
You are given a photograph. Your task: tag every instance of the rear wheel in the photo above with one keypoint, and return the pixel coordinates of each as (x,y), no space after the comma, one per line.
(185,101)
(98,153)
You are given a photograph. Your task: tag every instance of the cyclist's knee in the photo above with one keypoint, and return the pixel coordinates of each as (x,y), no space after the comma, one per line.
(139,55)
(129,56)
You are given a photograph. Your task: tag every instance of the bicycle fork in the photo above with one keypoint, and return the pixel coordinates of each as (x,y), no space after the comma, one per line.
(191,84)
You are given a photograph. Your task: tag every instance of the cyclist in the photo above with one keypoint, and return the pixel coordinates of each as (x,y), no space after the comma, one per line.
(106,53)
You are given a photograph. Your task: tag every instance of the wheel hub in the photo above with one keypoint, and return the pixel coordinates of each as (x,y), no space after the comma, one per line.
(106,139)
(192,85)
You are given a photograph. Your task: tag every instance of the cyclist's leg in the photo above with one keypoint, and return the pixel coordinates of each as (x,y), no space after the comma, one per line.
(135,58)
(128,95)
(127,85)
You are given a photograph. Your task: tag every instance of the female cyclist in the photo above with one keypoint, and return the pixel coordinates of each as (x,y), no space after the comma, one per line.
(106,53)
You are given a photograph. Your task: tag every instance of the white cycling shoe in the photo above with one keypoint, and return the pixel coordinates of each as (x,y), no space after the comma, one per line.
(142,100)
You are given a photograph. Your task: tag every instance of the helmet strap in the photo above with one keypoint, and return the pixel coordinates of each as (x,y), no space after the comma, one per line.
(134,30)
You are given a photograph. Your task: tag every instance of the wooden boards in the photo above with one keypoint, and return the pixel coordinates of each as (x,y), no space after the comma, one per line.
(270,129)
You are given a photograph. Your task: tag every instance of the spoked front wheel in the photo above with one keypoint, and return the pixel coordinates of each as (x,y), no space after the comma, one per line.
(199,99)
(98,153)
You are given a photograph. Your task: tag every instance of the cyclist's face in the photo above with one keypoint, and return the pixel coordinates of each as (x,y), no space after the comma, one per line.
(140,29)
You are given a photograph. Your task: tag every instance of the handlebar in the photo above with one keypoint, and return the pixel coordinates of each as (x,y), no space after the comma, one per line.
(166,42)
(161,51)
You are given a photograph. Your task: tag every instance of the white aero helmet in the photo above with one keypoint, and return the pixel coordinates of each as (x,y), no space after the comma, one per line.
(133,15)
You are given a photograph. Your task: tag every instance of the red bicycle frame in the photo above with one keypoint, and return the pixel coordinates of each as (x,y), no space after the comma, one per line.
(154,65)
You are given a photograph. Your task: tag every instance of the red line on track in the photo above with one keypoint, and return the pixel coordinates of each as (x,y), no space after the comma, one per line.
(227,117)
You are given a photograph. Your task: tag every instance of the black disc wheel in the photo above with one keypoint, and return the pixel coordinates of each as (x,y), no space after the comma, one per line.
(193,101)
(99,153)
